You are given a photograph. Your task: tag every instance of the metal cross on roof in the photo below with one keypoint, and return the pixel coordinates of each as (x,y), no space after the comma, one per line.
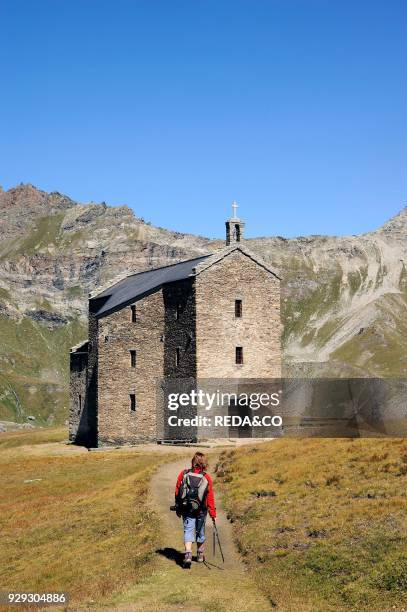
(234,206)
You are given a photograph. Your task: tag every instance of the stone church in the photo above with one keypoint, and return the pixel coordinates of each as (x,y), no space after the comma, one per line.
(214,316)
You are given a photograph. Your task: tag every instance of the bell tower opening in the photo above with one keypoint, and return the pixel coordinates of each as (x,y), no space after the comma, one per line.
(234,227)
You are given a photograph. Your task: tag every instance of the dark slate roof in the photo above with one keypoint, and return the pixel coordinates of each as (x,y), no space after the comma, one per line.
(80,348)
(136,285)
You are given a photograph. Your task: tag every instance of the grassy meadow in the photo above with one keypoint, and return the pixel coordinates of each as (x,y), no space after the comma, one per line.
(322,523)
(32,437)
(73,520)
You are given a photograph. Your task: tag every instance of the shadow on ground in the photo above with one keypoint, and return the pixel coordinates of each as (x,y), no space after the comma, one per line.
(172,554)
(178,557)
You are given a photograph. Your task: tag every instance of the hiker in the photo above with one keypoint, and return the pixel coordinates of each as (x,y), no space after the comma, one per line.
(193,500)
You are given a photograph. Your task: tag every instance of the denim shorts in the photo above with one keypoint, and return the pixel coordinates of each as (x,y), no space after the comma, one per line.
(194,526)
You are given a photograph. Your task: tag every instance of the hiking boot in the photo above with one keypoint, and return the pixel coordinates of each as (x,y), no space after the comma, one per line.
(200,556)
(187,560)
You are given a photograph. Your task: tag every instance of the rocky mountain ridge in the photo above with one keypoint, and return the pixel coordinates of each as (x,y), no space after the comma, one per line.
(344,298)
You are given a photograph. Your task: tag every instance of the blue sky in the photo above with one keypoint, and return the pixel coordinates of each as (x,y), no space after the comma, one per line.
(295,108)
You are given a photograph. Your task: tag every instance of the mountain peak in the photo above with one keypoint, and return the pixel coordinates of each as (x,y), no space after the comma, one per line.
(26,196)
(397,225)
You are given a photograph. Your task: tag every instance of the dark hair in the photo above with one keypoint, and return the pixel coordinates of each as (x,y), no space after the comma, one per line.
(199,461)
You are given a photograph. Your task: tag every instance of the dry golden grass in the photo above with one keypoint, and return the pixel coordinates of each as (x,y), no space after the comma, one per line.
(31,437)
(322,523)
(77,522)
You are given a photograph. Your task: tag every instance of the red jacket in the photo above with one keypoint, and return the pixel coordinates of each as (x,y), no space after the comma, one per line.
(210,499)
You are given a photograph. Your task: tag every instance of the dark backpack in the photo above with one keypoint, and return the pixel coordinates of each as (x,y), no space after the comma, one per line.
(192,492)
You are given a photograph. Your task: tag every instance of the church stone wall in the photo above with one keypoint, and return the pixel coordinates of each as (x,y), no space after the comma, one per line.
(219,332)
(117,335)
(92,375)
(180,323)
(78,422)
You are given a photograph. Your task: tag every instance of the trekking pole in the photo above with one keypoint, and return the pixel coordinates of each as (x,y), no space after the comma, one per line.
(215,530)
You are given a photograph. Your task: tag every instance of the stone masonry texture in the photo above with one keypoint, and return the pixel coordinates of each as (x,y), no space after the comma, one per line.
(78,426)
(219,332)
(117,336)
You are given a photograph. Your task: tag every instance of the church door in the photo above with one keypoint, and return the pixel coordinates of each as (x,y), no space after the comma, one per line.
(239,431)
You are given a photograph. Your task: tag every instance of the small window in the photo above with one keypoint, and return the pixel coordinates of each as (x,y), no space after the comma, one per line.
(177,356)
(133,358)
(238,308)
(133,402)
(178,311)
(239,355)
(133,313)
(79,403)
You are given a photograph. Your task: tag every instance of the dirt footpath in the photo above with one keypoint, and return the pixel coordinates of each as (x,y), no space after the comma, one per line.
(215,587)
(173,525)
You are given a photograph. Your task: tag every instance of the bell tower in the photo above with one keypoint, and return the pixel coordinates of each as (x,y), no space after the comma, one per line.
(234,228)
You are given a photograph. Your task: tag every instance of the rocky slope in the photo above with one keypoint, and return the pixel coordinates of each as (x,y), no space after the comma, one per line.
(344,299)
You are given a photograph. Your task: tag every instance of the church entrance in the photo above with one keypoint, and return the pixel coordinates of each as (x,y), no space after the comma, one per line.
(239,431)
